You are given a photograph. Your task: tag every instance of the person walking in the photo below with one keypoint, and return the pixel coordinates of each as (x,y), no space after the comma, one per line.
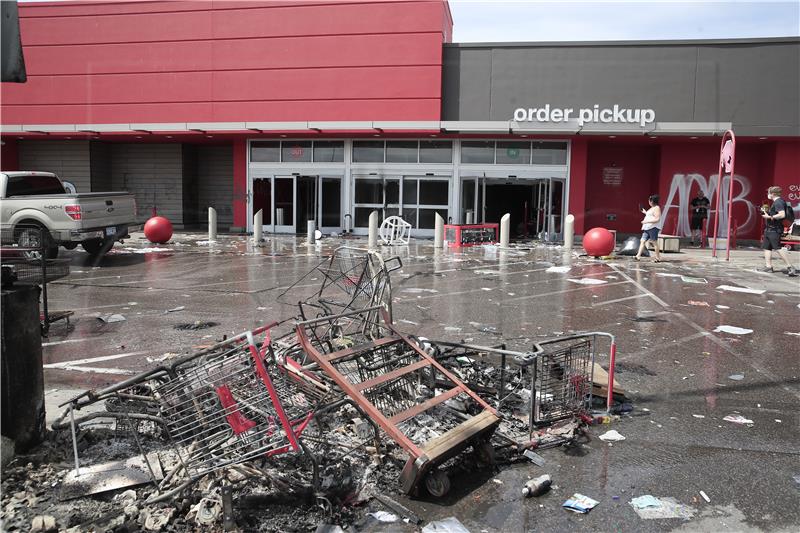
(773,217)
(651,225)
(699,215)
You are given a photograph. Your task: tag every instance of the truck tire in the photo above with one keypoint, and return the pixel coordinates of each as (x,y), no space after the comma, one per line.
(70,245)
(93,246)
(30,237)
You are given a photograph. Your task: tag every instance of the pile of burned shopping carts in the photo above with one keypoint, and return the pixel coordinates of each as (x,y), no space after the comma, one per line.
(271,393)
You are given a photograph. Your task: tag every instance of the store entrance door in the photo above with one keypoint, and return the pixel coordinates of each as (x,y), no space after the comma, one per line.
(287,203)
(535,206)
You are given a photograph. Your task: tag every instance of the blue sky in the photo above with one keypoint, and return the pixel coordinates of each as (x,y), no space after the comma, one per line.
(568,20)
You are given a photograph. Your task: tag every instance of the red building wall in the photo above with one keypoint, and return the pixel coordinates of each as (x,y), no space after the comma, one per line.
(229,61)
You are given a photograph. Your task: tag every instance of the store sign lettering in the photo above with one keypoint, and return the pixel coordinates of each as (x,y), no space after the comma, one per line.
(608,115)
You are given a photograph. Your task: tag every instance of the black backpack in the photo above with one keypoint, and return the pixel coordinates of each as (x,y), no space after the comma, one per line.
(789,212)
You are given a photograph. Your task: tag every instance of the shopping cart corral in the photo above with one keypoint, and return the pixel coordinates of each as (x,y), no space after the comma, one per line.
(396,383)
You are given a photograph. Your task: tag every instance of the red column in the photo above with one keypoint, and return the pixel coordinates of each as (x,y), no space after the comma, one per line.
(577,183)
(9,156)
(240,184)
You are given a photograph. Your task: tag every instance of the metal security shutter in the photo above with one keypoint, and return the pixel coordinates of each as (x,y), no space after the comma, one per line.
(154,174)
(215,182)
(69,159)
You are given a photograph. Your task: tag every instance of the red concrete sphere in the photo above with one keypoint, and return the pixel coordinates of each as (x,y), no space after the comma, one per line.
(158,230)
(598,242)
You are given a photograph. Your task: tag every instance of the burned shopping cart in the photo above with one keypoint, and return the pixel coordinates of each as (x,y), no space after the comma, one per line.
(402,389)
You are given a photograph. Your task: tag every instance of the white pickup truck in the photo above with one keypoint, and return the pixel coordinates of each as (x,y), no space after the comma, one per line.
(39,200)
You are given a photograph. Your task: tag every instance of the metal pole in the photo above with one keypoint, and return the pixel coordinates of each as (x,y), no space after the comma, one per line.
(438,232)
(719,186)
(372,241)
(569,231)
(212,224)
(258,228)
(74,439)
(311,228)
(612,360)
(730,195)
(505,225)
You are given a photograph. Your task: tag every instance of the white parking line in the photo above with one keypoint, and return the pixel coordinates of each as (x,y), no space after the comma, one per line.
(64,364)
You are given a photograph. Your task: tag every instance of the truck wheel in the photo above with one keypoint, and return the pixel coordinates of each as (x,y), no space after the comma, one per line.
(70,245)
(31,237)
(94,246)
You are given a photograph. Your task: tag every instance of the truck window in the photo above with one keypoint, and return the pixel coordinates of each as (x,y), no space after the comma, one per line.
(24,185)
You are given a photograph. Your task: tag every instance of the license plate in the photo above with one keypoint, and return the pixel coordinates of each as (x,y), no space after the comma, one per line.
(110,231)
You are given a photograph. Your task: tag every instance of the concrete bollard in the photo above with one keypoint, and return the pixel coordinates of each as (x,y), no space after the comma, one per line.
(212,224)
(505,228)
(569,231)
(438,231)
(258,228)
(372,242)
(311,228)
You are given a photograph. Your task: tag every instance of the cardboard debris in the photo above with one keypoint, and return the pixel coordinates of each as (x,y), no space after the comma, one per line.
(600,383)
(113,475)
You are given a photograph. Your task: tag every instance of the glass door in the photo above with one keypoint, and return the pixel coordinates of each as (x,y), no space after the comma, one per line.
(472,205)
(329,216)
(284,196)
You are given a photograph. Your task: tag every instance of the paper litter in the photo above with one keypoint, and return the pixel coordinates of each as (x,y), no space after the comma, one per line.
(645,501)
(731,288)
(579,503)
(447,525)
(734,330)
(737,419)
(612,436)
(587,281)
(384,516)
(736,377)
(666,508)
(559,269)
(110,319)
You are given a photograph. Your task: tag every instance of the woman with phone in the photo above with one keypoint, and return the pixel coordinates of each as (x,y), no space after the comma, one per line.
(651,225)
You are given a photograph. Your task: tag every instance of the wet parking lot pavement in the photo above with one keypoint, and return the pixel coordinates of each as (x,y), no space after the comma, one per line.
(692,350)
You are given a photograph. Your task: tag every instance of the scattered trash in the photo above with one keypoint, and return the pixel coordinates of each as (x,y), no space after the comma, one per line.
(731,288)
(175,309)
(688,279)
(587,281)
(156,519)
(736,377)
(579,503)
(559,269)
(792,333)
(398,508)
(699,416)
(737,419)
(612,436)
(415,290)
(383,516)
(110,319)
(733,330)
(645,501)
(665,508)
(447,525)
(408,322)
(705,497)
(534,457)
(113,475)
(195,325)
(721,306)
(537,486)
(698,304)
(796,479)
(667,275)
(44,523)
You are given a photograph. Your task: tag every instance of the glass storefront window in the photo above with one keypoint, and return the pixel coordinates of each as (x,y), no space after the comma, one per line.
(427,217)
(433,192)
(401,151)
(549,153)
(435,152)
(410,216)
(481,152)
(369,191)
(265,151)
(367,151)
(296,151)
(328,151)
(393,191)
(513,153)
(409,191)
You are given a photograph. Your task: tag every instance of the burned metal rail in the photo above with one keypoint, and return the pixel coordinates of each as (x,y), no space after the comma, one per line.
(393,381)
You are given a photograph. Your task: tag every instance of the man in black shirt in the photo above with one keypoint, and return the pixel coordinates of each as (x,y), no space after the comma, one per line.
(699,215)
(773,231)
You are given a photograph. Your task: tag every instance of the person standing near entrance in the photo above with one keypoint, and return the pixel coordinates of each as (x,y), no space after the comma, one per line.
(699,215)
(773,231)
(651,225)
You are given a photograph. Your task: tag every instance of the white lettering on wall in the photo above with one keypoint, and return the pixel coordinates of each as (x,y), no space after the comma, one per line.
(615,114)
(679,198)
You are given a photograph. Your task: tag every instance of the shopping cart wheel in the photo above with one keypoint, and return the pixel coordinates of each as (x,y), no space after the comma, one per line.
(484,452)
(437,483)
